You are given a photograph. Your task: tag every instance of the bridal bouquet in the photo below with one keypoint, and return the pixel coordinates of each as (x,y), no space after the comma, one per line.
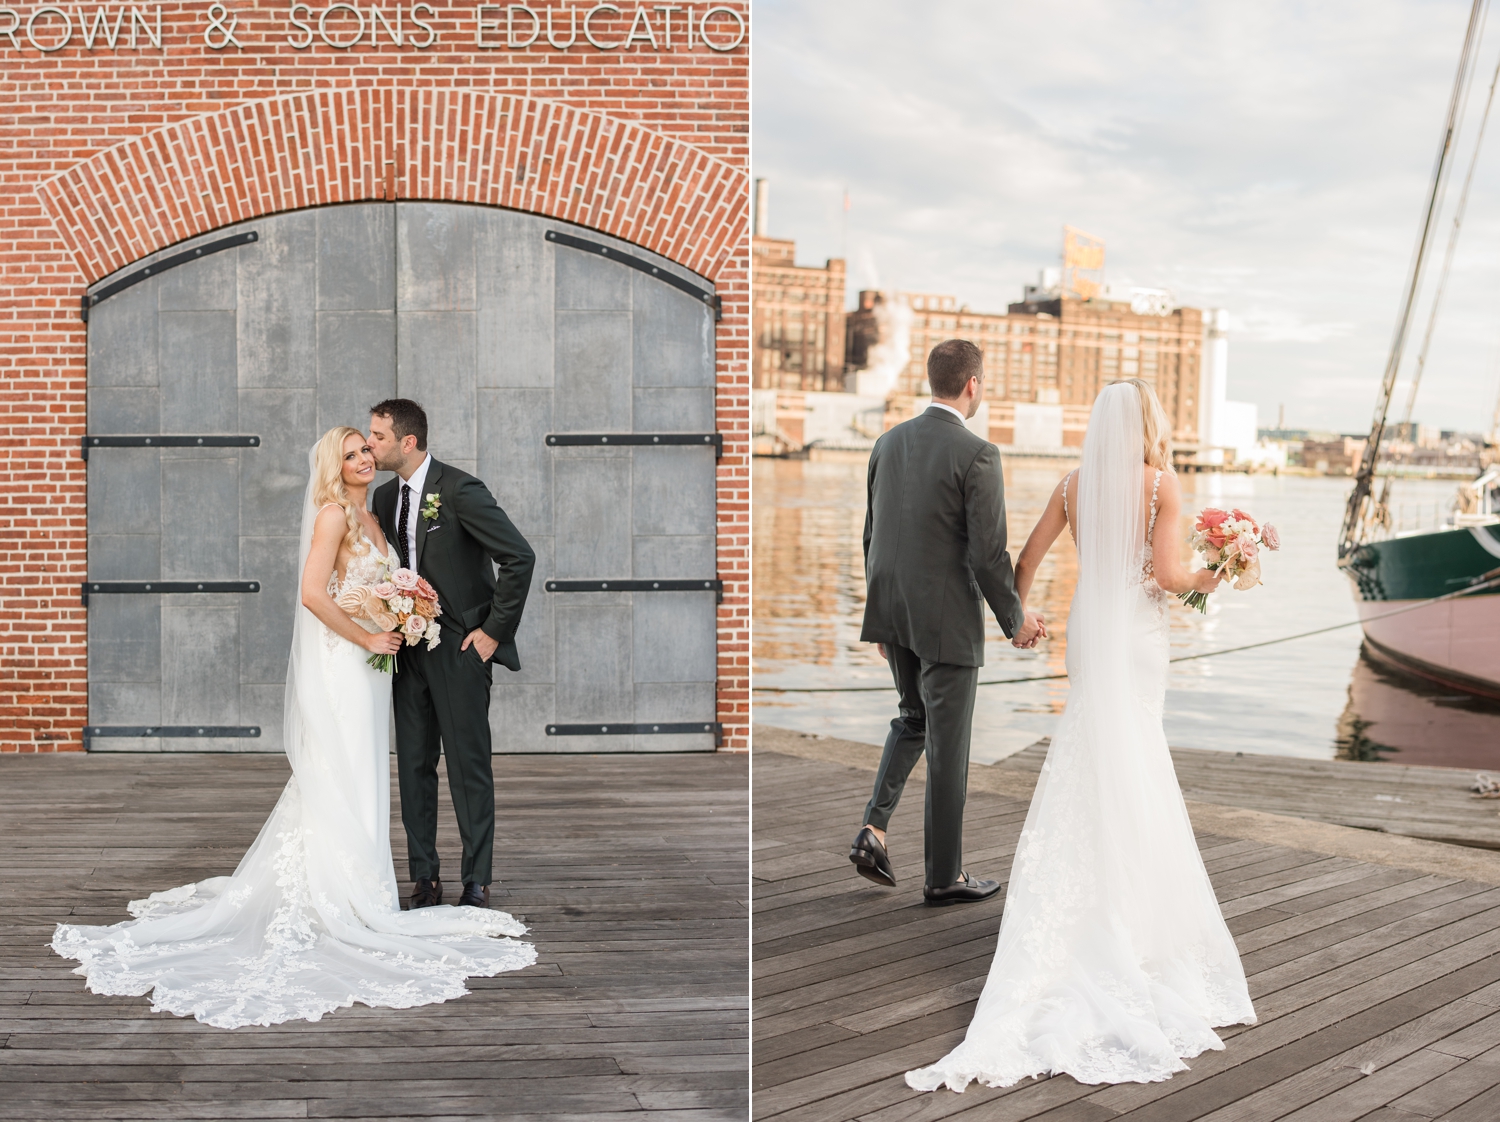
(401,601)
(1230,541)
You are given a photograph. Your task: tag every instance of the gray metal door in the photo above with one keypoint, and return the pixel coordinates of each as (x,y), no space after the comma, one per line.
(572,372)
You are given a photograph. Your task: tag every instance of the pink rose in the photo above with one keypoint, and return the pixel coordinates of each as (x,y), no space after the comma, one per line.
(405,580)
(414,627)
(1249,550)
(385,590)
(1272,538)
(1211,518)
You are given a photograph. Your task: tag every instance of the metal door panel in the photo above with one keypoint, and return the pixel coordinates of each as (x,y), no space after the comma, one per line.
(677,556)
(592,368)
(586,283)
(278,307)
(674,340)
(209,285)
(674,638)
(198,369)
(122,337)
(514,459)
(591,493)
(673,491)
(516,291)
(436,353)
(356,367)
(673,410)
(594,656)
(435,257)
(273,478)
(200,495)
(356,258)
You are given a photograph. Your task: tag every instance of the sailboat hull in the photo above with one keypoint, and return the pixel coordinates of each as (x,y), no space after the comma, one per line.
(1453,642)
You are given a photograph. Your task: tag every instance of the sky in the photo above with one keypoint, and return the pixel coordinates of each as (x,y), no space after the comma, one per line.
(1272,159)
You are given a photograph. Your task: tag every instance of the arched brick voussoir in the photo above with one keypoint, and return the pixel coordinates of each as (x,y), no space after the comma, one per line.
(334,146)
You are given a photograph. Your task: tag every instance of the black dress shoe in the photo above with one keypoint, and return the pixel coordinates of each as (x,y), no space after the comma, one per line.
(426,893)
(965,891)
(871,860)
(475,896)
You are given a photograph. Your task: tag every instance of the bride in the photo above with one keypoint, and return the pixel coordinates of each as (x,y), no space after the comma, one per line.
(1113,962)
(310,921)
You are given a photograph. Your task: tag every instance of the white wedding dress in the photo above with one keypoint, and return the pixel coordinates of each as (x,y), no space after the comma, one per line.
(1113,963)
(311,920)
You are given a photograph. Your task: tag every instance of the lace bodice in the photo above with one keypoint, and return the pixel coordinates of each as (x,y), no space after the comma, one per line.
(1148,569)
(364,569)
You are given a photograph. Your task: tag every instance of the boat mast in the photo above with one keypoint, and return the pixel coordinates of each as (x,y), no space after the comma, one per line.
(1362,511)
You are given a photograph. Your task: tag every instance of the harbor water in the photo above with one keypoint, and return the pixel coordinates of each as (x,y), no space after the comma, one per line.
(1318,697)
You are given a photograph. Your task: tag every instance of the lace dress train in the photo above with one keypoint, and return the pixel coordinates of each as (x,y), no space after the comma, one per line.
(1113,962)
(311,919)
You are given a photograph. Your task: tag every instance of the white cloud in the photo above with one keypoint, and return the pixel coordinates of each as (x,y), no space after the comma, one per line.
(1271,159)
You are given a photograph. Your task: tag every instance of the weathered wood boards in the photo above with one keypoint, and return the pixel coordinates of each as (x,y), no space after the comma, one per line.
(1377,988)
(629,870)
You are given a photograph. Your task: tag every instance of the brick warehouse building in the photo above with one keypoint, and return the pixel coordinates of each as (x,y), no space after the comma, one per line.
(236,224)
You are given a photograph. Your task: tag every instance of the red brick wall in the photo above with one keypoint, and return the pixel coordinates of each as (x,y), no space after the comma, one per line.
(109,154)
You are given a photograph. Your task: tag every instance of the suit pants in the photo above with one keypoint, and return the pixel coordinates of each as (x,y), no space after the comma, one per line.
(442,701)
(936,713)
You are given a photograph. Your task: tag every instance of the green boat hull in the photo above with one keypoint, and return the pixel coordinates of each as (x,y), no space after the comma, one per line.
(1455,642)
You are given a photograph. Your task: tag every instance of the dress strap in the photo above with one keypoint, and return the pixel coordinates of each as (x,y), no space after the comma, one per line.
(1155,486)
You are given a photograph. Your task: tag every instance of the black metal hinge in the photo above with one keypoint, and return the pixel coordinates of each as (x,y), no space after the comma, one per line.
(163,587)
(131,732)
(697,291)
(714,440)
(659,585)
(174,440)
(662,728)
(156,268)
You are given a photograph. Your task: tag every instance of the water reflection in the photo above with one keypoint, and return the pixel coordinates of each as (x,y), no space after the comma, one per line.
(1315,697)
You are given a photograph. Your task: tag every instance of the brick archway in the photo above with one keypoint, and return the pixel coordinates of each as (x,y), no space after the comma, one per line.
(333,146)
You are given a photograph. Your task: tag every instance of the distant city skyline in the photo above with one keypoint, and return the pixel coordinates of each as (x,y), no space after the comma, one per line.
(1272,161)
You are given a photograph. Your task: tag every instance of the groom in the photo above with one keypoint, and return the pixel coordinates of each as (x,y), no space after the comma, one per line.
(934,555)
(447,527)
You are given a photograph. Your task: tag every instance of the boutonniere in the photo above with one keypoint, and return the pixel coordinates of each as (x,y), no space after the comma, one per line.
(430,506)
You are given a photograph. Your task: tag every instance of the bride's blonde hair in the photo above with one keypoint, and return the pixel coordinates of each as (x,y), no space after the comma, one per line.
(328,482)
(1154,426)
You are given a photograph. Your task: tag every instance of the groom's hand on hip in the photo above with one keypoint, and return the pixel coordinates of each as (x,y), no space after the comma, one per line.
(482,643)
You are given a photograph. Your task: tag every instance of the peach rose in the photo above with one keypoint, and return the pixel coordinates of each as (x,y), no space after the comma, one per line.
(1242,516)
(405,580)
(424,608)
(425,590)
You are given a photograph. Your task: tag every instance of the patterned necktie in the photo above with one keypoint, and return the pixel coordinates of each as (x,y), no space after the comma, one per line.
(401,526)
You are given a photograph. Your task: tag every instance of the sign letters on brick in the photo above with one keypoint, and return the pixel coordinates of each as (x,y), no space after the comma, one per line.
(50,28)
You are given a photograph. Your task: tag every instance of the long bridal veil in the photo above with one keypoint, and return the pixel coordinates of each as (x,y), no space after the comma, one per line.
(310,921)
(1113,960)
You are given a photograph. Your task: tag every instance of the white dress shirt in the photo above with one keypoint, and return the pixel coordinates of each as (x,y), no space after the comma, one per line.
(962,419)
(416,482)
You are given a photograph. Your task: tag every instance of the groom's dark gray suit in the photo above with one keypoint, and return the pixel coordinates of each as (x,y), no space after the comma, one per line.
(935,554)
(442,697)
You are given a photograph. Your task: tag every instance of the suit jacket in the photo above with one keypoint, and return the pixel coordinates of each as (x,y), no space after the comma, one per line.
(935,541)
(453,552)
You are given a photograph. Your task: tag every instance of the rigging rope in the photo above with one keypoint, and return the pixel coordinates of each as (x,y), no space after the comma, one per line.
(1490,579)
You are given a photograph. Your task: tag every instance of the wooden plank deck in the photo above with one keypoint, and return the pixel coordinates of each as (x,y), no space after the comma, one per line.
(629,870)
(1377,986)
